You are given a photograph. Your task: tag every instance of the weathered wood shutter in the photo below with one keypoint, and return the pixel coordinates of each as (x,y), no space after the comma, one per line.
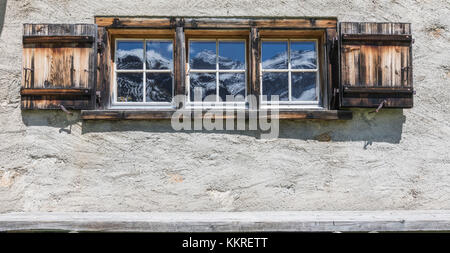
(59,66)
(376,65)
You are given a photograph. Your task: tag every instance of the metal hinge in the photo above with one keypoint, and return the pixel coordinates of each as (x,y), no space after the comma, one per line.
(98,98)
(100,47)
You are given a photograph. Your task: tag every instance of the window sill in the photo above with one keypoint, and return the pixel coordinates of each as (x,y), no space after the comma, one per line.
(232,114)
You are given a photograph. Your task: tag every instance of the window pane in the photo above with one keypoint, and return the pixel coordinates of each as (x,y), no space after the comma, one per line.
(130,87)
(159,87)
(274,55)
(202,55)
(275,84)
(203,87)
(304,86)
(232,84)
(303,55)
(130,55)
(159,54)
(231,55)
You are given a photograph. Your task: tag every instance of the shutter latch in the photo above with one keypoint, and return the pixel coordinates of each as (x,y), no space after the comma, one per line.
(379,107)
(65,110)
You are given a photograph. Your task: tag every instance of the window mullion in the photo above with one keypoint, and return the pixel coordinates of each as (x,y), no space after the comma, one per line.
(217,70)
(289,71)
(144,88)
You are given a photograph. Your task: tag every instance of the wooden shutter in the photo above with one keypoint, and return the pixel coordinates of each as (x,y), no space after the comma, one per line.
(376,65)
(59,63)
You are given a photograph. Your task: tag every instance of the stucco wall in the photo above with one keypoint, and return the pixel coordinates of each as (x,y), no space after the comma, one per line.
(396,159)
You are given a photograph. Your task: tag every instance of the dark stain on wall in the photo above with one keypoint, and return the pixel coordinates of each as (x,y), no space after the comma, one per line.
(2,14)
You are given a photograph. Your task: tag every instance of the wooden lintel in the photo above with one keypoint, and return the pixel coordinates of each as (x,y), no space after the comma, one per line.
(216,23)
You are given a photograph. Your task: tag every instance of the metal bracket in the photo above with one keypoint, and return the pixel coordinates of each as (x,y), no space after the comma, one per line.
(379,107)
(65,110)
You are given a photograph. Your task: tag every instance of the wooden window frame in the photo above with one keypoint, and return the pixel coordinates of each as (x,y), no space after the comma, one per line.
(217,35)
(140,105)
(184,28)
(295,104)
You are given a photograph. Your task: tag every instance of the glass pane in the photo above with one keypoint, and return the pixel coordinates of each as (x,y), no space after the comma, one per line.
(202,55)
(231,55)
(159,54)
(304,86)
(232,84)
(274,55)
(203,87)
(276,84)
(303,55)
(130,55)
(159,87)
(130,87)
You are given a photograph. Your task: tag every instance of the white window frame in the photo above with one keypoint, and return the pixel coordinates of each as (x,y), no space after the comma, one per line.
(292,104)
(216,104)
(130,105)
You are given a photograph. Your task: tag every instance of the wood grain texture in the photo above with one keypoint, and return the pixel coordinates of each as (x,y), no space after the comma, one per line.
(167,114)
(58,56)
(220,23)
(281,221)
(376,55)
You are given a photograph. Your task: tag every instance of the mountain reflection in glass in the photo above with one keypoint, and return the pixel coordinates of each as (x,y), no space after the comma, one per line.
(232,84)
(130,87)
(202,54)
(275,83)
(202,87)
(274,54)
(159,54)
(130,55)
(303,55)
(231,55)
(158,87)
(304,86)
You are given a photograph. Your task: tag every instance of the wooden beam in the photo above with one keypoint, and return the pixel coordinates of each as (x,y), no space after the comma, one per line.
(167,114)
(217,23)
(378,90)
(255,71)
(58,39)
(272,221)
(55,92)
(180,65)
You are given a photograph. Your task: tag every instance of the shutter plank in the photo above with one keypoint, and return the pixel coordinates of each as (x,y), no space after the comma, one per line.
(382,61)
(56,57)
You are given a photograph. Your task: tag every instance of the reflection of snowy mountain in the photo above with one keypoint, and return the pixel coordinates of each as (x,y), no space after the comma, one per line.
(299,60)
(303,84)
(229,83)
(157,61)
(132,59)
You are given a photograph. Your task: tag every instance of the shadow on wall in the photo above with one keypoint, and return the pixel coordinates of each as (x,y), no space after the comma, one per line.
(2,14)
(385,126)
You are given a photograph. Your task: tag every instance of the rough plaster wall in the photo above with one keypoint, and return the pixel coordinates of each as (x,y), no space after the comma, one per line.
(393,160)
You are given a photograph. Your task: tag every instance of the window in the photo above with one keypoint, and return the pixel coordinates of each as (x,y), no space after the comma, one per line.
(143,72)
(217,71)
(290,70)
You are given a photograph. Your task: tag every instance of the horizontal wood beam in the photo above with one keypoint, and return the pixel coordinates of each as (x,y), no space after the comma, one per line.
(167,114)
(291,221)
(55,92)
(216,23)
(58,39)
(378,90)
